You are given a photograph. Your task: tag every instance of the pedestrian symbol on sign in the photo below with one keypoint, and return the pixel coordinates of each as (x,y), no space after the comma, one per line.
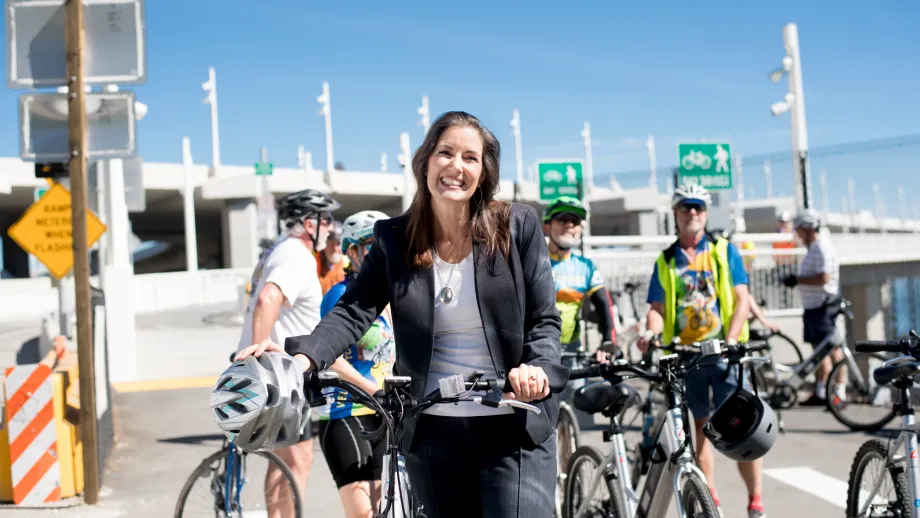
(721,157)
(571,175)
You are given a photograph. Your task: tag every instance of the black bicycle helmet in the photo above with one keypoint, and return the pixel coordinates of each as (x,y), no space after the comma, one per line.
(298,205)
(743,428)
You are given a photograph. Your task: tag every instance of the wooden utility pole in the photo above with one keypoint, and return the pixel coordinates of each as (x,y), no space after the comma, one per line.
(77,129)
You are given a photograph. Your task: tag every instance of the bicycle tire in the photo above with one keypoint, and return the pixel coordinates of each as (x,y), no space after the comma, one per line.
(868,450)
(839,415)
(617,505)
(695,490)
(205,465)
(568,422)
(785,344)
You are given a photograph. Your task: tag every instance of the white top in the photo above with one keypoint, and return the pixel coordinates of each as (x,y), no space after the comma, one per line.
(821,258)
(290,265)
(459,340)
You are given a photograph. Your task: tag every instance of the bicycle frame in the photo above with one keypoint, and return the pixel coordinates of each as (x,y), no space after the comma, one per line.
(663,479)
(907,438)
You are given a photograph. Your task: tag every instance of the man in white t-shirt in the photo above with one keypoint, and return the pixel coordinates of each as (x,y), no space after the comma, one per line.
(818,281)
(285,301)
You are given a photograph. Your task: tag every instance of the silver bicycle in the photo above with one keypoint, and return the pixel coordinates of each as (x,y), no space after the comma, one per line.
(673,470)
(903,470)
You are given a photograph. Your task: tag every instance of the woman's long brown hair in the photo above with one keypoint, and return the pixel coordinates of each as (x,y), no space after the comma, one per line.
(488,217)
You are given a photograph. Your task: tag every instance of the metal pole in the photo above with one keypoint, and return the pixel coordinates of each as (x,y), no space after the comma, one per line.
(825,202)
(768,178)
(902,214)
(518,153)
(425,113)
(265,190)
(740,223)
(383,162)
(797,118)
(326,112)
(879,208)
(300,160)
(211,88)
(589,159)
(652,163)
(86,360)
(846,212)
(188,203)
(405,159)
(852,191)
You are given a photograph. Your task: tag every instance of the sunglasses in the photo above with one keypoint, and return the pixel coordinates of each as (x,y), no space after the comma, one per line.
(568,218)
(685,207)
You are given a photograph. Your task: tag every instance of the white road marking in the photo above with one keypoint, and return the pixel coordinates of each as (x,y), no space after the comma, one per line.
(814,482)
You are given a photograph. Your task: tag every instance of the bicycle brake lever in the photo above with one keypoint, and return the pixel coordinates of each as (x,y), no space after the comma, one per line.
(519,404)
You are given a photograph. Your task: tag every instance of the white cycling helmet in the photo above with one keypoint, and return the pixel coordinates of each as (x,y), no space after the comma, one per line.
(359,226)
(259,402)
(784,216)
(696,193)
(808,218)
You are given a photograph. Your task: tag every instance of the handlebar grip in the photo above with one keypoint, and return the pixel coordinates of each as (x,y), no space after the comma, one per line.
(588,372)
(756,345)
(877,346)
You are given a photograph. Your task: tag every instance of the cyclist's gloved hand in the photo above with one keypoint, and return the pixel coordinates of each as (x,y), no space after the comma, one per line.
(790,281)
(607,352)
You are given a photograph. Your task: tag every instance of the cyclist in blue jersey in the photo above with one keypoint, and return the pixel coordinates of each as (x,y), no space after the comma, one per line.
(356,463)
(576,279)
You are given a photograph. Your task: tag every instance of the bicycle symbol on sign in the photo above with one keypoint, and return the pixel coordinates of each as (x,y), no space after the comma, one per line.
(696,159)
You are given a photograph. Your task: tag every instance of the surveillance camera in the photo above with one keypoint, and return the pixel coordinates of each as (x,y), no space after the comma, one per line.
(789,98)
(787,63)
(777,75)
(779,108)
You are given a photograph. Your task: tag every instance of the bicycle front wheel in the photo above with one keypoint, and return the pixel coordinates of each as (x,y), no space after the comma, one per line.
(893,497)
(697,500)
(566,445)
(245,491)
(605,502)
(852,403)
(784,356)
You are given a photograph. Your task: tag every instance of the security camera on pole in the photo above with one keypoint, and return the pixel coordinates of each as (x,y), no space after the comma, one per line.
(794,103)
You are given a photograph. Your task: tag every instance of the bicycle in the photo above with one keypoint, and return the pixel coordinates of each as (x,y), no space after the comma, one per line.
(904,470)
(227,473)
(393,403)
(784,393)
(568,429)
(673,459)
(227,470)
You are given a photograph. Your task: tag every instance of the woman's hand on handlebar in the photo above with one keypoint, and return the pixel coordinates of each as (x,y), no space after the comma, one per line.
(528,383)
(645,341)
(267,345)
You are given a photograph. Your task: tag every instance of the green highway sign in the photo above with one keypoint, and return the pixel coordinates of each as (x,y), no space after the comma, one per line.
(264,169)
(709,165)
(560,178)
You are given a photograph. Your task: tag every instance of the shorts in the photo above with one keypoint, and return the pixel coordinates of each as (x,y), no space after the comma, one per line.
(351,457)
(722,378)
(818,323)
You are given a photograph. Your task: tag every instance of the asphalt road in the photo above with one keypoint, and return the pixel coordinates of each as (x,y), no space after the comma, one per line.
(164,434)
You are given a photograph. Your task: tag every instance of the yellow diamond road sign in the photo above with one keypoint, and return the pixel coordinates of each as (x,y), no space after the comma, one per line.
(45,230)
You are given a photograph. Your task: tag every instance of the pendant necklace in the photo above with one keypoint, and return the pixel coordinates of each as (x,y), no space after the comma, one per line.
(446,295)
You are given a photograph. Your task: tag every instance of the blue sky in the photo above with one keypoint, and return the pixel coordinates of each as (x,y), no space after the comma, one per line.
(677,70)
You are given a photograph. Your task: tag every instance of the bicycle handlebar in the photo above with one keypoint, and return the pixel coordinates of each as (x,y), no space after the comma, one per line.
(909,344)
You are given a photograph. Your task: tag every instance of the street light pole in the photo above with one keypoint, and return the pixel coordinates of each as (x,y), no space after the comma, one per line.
(768,178)
(211,88)
(652,163)
(423,110)
(405,160)
(326,111)
(589,159)
(518,153)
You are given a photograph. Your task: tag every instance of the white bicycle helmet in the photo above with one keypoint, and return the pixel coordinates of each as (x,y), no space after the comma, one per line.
(359,226)
(695,193)
(259,402)
(808,218)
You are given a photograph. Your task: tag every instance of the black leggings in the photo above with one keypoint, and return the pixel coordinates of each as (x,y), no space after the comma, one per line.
(479,466)
(351,457)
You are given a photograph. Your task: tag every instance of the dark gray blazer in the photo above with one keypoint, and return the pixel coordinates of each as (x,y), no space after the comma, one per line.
(517,303)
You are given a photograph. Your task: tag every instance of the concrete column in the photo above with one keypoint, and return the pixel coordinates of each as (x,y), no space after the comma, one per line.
(118,273)
(871,302)
(239,225)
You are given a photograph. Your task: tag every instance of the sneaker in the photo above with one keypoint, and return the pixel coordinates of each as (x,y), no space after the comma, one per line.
(756,512)
(814,401)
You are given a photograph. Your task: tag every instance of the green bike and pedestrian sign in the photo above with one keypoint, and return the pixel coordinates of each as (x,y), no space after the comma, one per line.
(560,178)
(264,168)
(709,165)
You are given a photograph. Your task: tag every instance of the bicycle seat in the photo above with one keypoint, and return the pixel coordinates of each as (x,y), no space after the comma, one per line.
(892,370)
(600,396)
